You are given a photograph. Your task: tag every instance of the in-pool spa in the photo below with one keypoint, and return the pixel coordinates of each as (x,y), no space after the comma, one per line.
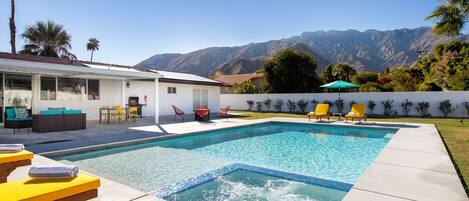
(333,154)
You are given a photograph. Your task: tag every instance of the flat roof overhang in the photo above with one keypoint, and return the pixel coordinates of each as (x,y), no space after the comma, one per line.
(74,71)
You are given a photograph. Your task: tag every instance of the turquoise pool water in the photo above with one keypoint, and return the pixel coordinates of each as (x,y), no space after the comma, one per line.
(334,153)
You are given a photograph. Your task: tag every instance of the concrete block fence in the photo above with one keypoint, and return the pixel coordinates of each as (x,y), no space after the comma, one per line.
(238,101)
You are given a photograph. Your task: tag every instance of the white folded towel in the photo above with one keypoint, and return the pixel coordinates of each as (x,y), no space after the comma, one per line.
(11,148)
(46,172)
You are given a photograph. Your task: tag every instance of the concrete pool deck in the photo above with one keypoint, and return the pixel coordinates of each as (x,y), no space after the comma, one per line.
(414,165)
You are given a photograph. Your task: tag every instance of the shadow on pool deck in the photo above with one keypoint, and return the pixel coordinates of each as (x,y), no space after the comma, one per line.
(95,134)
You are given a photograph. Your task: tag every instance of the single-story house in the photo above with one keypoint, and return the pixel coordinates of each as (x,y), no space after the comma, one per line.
(233,81)
(40,83)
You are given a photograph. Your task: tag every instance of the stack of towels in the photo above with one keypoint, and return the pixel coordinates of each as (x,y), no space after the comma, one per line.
(43,172)
(11,148)
(53,172)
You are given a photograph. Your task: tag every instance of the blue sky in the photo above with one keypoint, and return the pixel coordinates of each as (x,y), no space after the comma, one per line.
(133,30)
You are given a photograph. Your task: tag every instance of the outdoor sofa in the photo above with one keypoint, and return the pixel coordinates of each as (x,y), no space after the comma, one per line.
(58,120)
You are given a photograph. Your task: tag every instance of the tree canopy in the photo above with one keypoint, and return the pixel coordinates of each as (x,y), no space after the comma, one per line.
(246,87)
(47,39)
(448,67)
(290,71)
(92,45)
(340,71)
(450,17)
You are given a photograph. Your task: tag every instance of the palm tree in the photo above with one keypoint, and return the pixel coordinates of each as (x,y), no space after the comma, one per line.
(12,28)
(450,17)
(47,39)
(343,71)
(92,45)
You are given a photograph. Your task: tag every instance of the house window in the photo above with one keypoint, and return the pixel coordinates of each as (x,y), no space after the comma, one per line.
(200,98)
(93,90)
(18,90)
(70,88)
(48,88)
(18,82)
(171,90)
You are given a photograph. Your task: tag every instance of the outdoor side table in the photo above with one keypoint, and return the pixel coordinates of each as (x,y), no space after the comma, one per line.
(337,114)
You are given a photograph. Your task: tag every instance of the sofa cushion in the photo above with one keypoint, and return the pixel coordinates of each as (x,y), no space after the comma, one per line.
(10,113)
(51,112)
(21,113)
(56,108)
(72,111)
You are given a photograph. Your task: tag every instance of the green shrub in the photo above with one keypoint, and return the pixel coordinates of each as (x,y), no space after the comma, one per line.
(339,104)
(446,107)
(422,108)
(314,102)
(278,105)
(247,87)
(388,105)
(250,103)
(351,104)
(302,104)
(291,106)
(466,105)
(259,106)
(406,106)
(371,106)
(267,103)
(329,102)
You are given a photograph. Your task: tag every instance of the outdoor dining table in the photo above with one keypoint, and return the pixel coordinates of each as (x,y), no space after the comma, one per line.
(108,114)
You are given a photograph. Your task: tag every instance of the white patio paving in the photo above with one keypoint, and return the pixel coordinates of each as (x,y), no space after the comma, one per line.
(414,165)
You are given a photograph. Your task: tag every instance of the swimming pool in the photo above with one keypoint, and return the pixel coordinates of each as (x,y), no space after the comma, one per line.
(335,153)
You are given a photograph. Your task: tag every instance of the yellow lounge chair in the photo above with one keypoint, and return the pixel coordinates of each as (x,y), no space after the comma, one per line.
(357,112)
(322,111)
(10,161)
(82,187)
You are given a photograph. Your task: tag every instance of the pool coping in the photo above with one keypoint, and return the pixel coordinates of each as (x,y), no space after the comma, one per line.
(62,152)
(424,172)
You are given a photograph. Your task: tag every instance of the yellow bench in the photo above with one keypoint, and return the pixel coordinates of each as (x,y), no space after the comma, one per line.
(10,161)
(82,187)
(322,111)
(357,112)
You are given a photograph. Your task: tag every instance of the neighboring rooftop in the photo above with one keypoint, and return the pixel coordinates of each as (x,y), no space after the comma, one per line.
(168,76)
(237,79)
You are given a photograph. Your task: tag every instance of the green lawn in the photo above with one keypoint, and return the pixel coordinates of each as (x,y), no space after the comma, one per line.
(455,136)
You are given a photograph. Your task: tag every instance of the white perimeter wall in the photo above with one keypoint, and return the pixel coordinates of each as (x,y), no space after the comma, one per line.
(182,98)
(238,101)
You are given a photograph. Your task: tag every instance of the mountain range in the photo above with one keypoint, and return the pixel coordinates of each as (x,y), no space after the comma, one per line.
(370,50)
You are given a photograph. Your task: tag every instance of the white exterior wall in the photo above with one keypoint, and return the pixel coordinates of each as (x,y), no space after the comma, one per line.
(238,101)
(182,99)
(111,94)
(109,91)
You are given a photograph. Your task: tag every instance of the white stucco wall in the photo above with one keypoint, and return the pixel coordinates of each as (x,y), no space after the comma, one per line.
(182,98)
(110,94)
(238,101)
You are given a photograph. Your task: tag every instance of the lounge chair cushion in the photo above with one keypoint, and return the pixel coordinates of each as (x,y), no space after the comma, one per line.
(357,111)
(47,189)
(13,157)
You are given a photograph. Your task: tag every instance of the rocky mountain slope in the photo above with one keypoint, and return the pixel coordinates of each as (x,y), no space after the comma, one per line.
(371,50)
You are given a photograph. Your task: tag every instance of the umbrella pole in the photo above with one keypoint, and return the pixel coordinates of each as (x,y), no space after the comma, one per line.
(339,93)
